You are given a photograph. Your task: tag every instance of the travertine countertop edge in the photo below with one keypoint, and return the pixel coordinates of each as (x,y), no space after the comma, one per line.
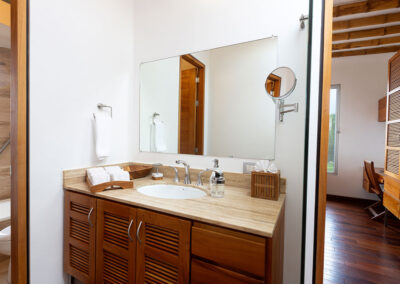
(237,210)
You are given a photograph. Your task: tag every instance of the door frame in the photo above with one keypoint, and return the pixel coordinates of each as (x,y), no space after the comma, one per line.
(200,97)
(19,142)
(323,141)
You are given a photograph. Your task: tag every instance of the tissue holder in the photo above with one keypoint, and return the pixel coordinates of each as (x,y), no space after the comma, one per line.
(265,185)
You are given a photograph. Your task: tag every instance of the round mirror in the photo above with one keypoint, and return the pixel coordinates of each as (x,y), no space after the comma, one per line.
(280,83)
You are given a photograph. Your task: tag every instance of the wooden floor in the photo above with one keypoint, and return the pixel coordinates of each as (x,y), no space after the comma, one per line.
(4,262)
(357,249)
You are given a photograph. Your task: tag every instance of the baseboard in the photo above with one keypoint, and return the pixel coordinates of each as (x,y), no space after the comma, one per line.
(357,200)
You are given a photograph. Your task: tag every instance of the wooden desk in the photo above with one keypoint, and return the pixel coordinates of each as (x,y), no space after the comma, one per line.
(380,173)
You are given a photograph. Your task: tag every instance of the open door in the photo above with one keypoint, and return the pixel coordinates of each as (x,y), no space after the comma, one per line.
(191,106)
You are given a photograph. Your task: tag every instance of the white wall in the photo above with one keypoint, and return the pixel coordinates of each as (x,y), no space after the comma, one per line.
(159,88)
(363,81)
(81,53)
(198,25)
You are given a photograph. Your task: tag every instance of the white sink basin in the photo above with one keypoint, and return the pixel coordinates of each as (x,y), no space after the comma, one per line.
(170,191)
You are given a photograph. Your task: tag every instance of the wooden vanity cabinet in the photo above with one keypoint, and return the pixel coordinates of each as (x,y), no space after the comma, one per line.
(163,248)
(115,243)
(109,242)
(80,236)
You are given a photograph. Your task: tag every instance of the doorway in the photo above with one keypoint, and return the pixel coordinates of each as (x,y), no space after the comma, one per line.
(351,240)
(191,106)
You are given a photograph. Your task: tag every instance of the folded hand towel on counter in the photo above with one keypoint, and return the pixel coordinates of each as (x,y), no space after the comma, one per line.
(112,169)
(95,171)
(103,135)
(96,179)
(120,176)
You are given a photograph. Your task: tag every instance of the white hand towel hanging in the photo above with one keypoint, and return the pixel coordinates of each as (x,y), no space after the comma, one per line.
(103,135)
(159,135)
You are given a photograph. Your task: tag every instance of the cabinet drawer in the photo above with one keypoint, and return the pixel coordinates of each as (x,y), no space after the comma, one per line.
(205,273)
(392,186)
(235,250)
(392,204)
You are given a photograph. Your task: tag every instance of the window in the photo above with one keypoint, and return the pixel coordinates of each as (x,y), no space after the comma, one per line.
(333,129)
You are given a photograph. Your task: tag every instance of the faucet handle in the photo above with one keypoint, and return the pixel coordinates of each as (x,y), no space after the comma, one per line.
(176,178)
(216,163)
(199,180)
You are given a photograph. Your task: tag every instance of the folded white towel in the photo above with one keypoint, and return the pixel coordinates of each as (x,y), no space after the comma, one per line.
(112,169)
(94,171)
(103,135)
(159,136)
(120,176)
(98,178)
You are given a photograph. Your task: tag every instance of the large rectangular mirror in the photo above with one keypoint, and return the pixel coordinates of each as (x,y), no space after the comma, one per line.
(211,103)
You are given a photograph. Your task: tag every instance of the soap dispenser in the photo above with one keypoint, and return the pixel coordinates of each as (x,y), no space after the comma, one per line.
(217,181)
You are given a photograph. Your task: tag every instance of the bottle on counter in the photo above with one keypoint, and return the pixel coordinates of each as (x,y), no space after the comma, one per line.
(217,181)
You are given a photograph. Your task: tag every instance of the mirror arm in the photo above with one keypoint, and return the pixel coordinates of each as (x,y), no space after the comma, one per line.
(282,111)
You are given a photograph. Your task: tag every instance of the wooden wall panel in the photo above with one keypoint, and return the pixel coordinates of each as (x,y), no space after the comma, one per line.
(5,157)
(19,143)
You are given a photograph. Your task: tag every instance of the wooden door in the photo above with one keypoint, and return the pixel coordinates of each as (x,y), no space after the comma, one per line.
(116,243)
(273,85)
(391,194)
(80,236)
(163,248)
(187,129)
(191,106)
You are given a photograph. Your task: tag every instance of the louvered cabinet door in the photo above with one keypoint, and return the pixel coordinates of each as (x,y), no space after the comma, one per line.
(116,243)
(163,248)
(80,236)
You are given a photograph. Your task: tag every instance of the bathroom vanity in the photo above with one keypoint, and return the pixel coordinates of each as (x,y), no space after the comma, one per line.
(123,236)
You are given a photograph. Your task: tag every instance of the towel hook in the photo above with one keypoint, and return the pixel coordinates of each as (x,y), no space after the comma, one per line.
(101,106)
(155,115)
(302,19)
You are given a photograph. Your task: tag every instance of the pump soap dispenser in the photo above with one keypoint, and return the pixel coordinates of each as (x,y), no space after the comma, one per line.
(217,181)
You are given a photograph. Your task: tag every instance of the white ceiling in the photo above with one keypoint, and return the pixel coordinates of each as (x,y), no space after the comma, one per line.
(5,36)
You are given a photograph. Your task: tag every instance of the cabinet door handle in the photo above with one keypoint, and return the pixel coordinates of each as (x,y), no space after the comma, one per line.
(138,231)
(88,217)
(129,231)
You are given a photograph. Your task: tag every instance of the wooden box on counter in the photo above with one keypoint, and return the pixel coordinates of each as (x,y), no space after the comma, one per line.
(265,185)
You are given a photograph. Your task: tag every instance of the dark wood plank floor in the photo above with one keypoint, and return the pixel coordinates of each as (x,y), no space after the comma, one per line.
(357,249)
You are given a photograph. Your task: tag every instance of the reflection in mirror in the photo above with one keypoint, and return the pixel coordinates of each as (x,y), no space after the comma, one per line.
(210,102)
(280,83)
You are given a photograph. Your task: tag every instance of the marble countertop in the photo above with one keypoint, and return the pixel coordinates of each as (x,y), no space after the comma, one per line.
(236,210)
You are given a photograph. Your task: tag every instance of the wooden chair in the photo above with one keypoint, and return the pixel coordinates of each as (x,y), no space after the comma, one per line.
(376,188)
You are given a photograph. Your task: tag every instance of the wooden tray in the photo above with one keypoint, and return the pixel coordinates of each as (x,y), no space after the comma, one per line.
(109,185)
(138,171)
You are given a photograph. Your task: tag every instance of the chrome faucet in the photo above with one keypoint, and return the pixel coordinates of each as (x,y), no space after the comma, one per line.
(187,171)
